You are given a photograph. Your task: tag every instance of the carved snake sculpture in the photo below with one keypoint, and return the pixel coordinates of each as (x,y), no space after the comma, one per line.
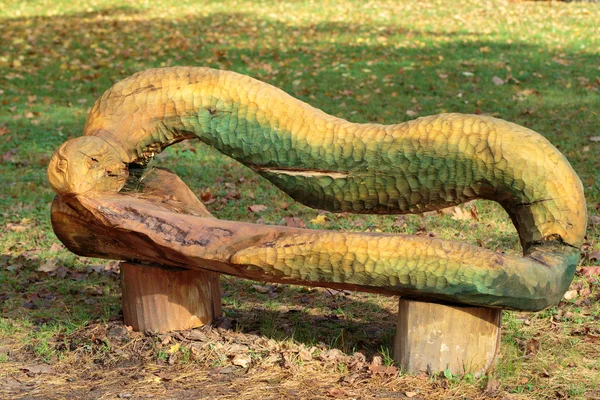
(329,163)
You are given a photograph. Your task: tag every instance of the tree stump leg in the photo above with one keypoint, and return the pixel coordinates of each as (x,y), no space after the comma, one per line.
(432,338)
(161,299)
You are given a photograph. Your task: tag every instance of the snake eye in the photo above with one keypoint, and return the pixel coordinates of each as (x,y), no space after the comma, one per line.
(62,165)
(92,162)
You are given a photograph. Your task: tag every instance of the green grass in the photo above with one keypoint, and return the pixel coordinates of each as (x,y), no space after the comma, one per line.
(379,61)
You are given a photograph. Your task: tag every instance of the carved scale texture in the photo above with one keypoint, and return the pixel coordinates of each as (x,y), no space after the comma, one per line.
(329,163)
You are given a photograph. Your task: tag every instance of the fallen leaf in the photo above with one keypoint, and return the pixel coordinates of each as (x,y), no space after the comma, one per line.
(196,335)
(357,361)
(545,373)
(165,376)
(236,348)
(294,222)
(474,213)
(226,370)
(335,292)
(305,355)
(523,381)
(411,113)
(174,348)
(99,269)
(30,305)
(532,347)
(569,315)
(4,130)
(570,295)
(384,371)
(590,271)
(320,220)
(206,195)
(561,61)
(7,157)
(262,289)
(117,333)
(337,392)
(62,272)
(594,256)
(287,361)
(56,247)
(48,266)
(400,222)
(410,394)
(459,214)
(39,369)
(595,138)
(496,80)
(350,379)
(585,292)
(16,227)
(92,290)
(333,355)
(256,208)
(241,360)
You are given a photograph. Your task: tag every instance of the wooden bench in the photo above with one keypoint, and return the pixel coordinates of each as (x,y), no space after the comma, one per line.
(111,205)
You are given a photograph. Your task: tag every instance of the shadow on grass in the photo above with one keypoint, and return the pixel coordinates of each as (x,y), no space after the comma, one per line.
(66,297)
(312,316)
(69,299)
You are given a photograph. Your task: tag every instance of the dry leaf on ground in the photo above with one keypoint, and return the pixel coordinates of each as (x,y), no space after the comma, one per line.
(38,369)
(590,271)
(570,295)
(294,222)
(242,360)
(256,208)
(320,220)
(48,266)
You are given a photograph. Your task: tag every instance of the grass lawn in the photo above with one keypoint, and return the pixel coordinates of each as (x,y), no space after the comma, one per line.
(61,332)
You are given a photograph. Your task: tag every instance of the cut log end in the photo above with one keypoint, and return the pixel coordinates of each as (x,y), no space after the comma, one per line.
(159,299)
(433,338)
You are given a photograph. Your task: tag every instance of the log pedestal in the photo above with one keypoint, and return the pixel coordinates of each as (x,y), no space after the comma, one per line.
(159,299)
(433,337)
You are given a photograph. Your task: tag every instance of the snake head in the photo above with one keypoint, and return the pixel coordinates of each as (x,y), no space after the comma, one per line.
(87,164)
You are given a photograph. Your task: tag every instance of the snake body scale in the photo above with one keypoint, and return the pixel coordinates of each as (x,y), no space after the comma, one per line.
(329,163)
